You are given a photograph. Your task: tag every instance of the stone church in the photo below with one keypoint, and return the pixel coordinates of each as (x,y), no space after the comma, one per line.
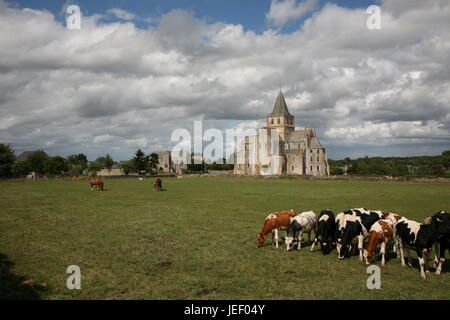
(279,149)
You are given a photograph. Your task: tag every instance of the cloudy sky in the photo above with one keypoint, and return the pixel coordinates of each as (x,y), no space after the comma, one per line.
(137,70)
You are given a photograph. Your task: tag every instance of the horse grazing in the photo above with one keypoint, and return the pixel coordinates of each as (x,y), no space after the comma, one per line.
(157,184)
(96,182)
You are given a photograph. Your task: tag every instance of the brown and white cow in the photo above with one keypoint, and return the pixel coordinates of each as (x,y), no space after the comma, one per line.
(380,233)
(274,222)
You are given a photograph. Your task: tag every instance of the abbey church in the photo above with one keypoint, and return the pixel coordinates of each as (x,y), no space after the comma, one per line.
(279,149)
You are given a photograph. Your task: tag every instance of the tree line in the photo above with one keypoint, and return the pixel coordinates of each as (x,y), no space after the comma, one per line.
(423,166)
(74,165)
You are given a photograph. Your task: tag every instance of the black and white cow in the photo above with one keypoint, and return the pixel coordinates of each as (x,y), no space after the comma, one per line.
(442,222)
(419,236)
(304,222)
(326,230)
(356,226)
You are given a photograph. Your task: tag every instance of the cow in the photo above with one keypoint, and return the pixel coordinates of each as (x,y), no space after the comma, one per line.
(340,220)
(442,222)
(157,184)
(380,233)
(304,222)
(274,222)
(356,226)
(326,228)
(393,217)
(419,236)
(96,182)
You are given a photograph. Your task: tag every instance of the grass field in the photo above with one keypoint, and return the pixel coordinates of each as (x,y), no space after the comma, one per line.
(197,240)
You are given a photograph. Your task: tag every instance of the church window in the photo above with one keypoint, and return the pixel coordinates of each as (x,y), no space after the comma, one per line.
(317,159)
(317,168)
(292,168)
(310,168)
(318,151)
(310,151)
(272,120)
(311,159)
(278,120)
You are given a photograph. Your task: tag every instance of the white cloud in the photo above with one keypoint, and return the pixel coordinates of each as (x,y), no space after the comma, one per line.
(121,14)
(113,86)
(281,12)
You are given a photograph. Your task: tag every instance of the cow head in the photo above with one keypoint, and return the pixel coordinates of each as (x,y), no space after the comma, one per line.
(368,256)
(259,240)
(442,222)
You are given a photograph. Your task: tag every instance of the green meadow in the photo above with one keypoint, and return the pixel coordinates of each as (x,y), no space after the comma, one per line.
(196,240)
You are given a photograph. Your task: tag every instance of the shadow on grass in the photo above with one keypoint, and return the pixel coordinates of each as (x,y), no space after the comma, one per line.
(14,286)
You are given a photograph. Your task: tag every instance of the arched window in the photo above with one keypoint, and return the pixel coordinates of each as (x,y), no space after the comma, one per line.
(272,120)
(278,120)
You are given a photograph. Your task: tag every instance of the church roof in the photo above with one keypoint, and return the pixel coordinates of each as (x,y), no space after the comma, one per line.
(315,143)
(280,107)
(299,135)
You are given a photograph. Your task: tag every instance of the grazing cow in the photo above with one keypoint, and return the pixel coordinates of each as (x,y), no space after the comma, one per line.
(341,221)
(393,217)
(380,233)
(274,222)
(326,228)
(356,226)
(303,222)
(96,182)
(419,236)
(157,184)
(442,222)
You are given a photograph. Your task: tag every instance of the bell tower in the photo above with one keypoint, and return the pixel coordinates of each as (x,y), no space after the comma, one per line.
(280,119)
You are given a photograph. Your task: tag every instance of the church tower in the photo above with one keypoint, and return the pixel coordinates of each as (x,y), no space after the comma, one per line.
(280,119)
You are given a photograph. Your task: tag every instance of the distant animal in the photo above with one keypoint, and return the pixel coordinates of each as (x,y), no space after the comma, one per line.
(442,222)
(325,234)
(96,182)
(380,233)
(304,222)
(274,222)
(356,226)
(419,236)
(157,184)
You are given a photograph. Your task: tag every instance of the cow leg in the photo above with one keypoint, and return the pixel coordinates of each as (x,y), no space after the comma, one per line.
(442,248)
(338,249)
(383,252)
(436,249)
(402,255)
(315,240)
(299,240)
(421,254)
(408,256)
(276,237)
(360,247)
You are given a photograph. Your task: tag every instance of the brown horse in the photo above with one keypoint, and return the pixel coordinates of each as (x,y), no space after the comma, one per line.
(96,182)
(157,184)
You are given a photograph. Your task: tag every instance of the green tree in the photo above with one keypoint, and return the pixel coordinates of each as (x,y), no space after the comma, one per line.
(20,169)
(446,159)
(106,162)
(399,169)
(336,171)
(139,161)
(78,160)
(7,159)
(127,167)
(56,166)
(37,160)
(93,167)
(153,161)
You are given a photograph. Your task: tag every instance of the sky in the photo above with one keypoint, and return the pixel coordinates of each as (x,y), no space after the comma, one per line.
(138,70)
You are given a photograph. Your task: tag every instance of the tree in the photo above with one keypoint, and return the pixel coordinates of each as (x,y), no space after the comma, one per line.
(399,169)
(139,161)
(36,161)
(78,160)
(93,167)
(446,159)
(7,159)
(336,171)
(20,169)
(127,167)
(56,166)
(106,162)
(153,161)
